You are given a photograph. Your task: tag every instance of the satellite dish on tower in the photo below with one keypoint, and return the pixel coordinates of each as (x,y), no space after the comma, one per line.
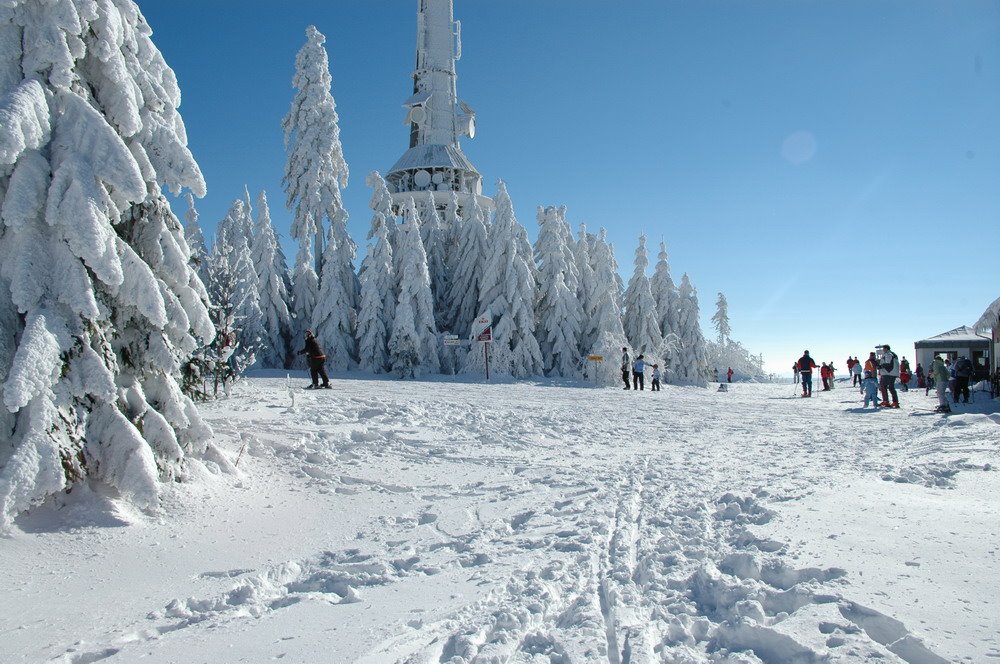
(422,178)
(417,115)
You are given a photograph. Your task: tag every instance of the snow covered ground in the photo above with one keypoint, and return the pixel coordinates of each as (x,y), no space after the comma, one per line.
(435,521)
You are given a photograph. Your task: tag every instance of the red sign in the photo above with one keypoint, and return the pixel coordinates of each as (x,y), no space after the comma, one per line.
(485,335)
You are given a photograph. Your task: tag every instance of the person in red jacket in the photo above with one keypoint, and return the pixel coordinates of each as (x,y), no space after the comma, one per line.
(806,365)
(729,375)
(824,374)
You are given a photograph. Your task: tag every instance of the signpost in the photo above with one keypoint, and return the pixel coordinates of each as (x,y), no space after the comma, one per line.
(452,340)
(482,330)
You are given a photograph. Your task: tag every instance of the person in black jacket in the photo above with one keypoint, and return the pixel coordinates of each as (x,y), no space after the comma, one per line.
(317,362)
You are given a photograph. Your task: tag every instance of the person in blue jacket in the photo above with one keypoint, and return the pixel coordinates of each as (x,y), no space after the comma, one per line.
(638,373)
(870,386)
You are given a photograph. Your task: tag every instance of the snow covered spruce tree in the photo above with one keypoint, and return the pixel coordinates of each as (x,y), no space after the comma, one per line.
(314,175)
(100,304)
(666,297)
(508,291)
(469,259)
(413,345)
(606,320)
(196,239)
(377,309)
(435,241)
(586,287)
(640,324)
(335,317)
(692,364)
(721,319)
(273,289)
(233,286)
(559,311)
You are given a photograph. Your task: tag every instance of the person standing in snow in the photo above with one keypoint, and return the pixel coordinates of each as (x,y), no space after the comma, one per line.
(830,367)
(904,374)
(638,373)
(729,375)
(805,366)
(654,386)
(869,387)
(856,371)
(317,362)
(871,364)
(824,375)
(795,373)
(921,380)
(888,373)
(963,372)
(626,366)
(850,365)
(939,372)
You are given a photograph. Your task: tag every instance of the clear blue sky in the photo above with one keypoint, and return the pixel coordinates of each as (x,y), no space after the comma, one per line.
(832,166)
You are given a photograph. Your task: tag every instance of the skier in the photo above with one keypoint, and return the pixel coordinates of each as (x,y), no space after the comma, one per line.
(963,371)
(888,373)
(870,388)
(729,375)
(805,366)
(637,373)
(654,386)
(824,374)
(939,372)
(626,366)
(317,362)
(856,372)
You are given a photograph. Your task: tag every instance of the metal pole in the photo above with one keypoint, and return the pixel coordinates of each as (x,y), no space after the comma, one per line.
(486,352)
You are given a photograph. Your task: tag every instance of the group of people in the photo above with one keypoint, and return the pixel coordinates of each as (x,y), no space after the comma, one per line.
(879,373)
(637,369)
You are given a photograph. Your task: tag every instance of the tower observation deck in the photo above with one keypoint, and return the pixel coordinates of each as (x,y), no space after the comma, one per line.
(434,161)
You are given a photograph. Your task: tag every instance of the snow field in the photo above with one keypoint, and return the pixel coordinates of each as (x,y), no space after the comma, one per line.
(435,521)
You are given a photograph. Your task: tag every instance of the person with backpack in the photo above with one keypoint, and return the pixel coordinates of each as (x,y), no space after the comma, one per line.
(626,366)
(888,373)
(805,366)
(939,373)
(638,373)
(963,372)
(317,362)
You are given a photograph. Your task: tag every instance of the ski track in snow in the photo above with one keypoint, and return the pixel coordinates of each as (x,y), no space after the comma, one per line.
(625,535)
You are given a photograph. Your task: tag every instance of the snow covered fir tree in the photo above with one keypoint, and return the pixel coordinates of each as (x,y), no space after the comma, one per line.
(100,302)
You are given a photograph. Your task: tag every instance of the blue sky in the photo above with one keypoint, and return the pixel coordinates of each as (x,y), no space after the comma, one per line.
(833,167)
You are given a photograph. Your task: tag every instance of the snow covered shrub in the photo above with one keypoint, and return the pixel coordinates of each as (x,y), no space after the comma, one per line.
(100,305)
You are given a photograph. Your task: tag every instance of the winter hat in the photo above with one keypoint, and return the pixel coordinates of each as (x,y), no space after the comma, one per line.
(868,374)
(309,333)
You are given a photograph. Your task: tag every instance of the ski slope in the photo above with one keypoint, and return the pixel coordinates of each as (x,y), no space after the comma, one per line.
(427,521)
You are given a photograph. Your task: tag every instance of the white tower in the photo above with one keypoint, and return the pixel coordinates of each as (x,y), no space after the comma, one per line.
(437,118)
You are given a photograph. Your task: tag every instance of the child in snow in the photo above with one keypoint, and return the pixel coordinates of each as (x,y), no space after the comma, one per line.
(655,385)
(870,386)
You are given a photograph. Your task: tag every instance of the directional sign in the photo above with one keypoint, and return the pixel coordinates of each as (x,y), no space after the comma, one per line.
(595,358)
(486,335)
(481,324)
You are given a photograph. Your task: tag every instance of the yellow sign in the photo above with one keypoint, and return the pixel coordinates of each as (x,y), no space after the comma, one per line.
(595,358)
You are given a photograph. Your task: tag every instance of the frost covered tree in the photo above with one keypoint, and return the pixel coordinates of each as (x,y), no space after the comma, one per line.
(315,171)
(721,319)
(233,287)
(586,286)
(335,318)
(452,227)
(559,310)
(305,291)
(665,293)
(640,324)
(692,363)
(467,268)
(376,313)
(100,304)
(196,239)
(606,329)
(435,240)
(413,346)
(508,292)
(273,289)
